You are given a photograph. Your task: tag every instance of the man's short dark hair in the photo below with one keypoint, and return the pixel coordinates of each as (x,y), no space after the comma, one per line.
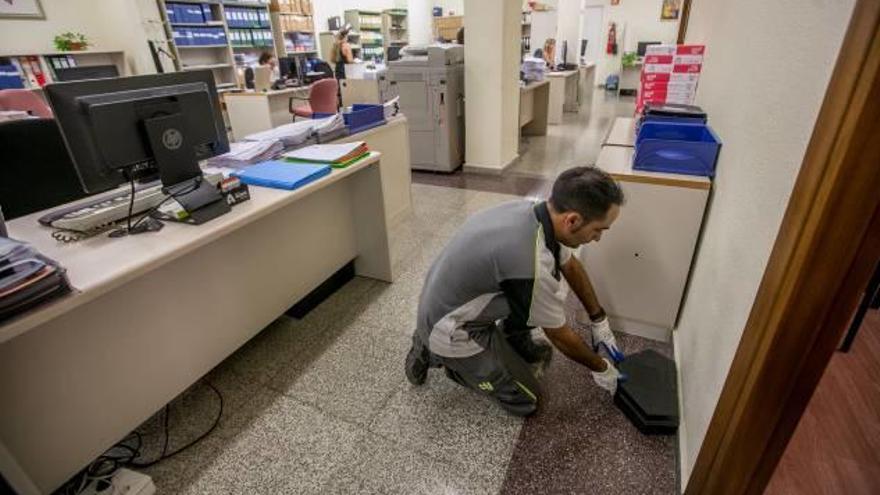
(585,190)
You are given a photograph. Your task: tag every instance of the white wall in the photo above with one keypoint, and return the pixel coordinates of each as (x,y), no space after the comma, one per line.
(637,20)
(762,90)
(109,24)
(456,6)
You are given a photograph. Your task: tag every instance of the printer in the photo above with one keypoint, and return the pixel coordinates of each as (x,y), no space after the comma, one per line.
(430,83)
(431,55)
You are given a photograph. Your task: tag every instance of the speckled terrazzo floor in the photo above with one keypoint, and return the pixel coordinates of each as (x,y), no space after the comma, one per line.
(321,405)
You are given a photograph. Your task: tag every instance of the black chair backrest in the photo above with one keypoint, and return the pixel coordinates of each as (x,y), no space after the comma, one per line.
(36,171)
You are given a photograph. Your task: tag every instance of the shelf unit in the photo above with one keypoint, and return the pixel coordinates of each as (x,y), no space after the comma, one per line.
(327,38)
(447,27)
(38,69)
(238,31)
(395,28)
(295,34)
(526,39)
(369,26)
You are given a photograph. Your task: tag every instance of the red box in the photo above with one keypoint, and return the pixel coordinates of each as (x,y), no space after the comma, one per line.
(687,68)
(690,49)
(670,87)
(655,77)
(658,59)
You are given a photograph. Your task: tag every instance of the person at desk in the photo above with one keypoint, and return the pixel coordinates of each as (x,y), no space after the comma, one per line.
(502,275)
(549,53)
(269,61)
(341,53)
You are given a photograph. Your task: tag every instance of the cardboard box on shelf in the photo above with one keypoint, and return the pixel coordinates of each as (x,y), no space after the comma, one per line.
(660,50)
(658,59)
(687,60)
(682,77)
(307,7)
(669,86)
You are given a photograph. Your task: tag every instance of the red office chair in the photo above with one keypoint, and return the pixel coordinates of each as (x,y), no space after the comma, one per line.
(322,99)
(24,99)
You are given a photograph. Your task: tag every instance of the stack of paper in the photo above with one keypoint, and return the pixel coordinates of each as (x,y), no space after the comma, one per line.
(289,134)
(246,153)
(330,128)
(27,278)
(534,69)
(335,155)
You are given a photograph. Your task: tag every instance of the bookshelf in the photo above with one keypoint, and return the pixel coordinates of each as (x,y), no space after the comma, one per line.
(295,34)
(368,25)
(447,27)
(395,29)
(35,70)
(217,35)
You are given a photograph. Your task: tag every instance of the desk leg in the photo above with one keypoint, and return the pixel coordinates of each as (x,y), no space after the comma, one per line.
(540,108)
(370,225)
(557,100)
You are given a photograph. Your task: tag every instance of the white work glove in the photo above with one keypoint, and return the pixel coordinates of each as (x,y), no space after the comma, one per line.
(607,379)
(603,335)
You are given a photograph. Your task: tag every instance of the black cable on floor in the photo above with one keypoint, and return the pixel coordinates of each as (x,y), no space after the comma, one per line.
(126,452)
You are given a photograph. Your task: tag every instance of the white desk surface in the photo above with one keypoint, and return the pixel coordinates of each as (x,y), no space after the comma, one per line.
(562,73)
(617,161)
(533,86)
(621,133)
(271,92)
(99,264)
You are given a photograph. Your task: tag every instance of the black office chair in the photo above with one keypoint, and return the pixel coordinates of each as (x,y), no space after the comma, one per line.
(36,172)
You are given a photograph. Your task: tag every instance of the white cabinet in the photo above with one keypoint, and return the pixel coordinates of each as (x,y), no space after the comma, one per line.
(640,267)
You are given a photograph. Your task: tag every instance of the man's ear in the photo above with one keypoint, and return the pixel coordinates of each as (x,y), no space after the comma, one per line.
(573,220)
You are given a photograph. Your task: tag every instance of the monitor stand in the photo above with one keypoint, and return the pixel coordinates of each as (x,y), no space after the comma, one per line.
(180,172)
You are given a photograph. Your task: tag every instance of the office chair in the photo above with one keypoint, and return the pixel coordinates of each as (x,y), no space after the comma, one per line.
(36,171)
(322,99)
(26,100)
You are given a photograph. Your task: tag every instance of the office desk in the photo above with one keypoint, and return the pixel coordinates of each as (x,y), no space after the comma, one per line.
(641,266)
(563,94)
(586,81)
(534,103)
(251,112)
(621,133)
(153,313)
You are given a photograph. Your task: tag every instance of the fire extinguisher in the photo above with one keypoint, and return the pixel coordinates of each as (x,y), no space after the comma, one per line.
(611,48)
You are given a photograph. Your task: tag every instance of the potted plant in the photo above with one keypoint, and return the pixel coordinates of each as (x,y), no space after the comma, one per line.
(69,42)
(629,59)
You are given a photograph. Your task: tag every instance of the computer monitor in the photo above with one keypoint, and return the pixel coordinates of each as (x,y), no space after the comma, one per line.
(643,45)
(106,123)
(287,67)
(140,124)
(584,48)
(87,72)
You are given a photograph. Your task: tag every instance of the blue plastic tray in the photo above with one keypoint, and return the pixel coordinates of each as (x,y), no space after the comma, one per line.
(690,149)
(363,116)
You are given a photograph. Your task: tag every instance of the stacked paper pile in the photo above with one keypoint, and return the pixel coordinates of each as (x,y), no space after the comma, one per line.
(27,278)
(246,153)
(335,155)
(289,134)
(329,128)
(670,74)
(533,69)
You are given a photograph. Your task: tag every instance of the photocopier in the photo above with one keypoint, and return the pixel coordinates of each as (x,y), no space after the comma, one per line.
(430,82)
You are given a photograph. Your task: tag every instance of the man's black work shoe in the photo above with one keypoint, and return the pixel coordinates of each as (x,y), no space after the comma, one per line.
(417,361)
(532,352)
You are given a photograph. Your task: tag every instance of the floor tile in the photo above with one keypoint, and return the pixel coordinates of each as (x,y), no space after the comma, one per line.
(452,423)
(387,467)
(352,378)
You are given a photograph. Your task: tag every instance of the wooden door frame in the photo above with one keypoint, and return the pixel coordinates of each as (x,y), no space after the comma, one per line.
(822,259)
